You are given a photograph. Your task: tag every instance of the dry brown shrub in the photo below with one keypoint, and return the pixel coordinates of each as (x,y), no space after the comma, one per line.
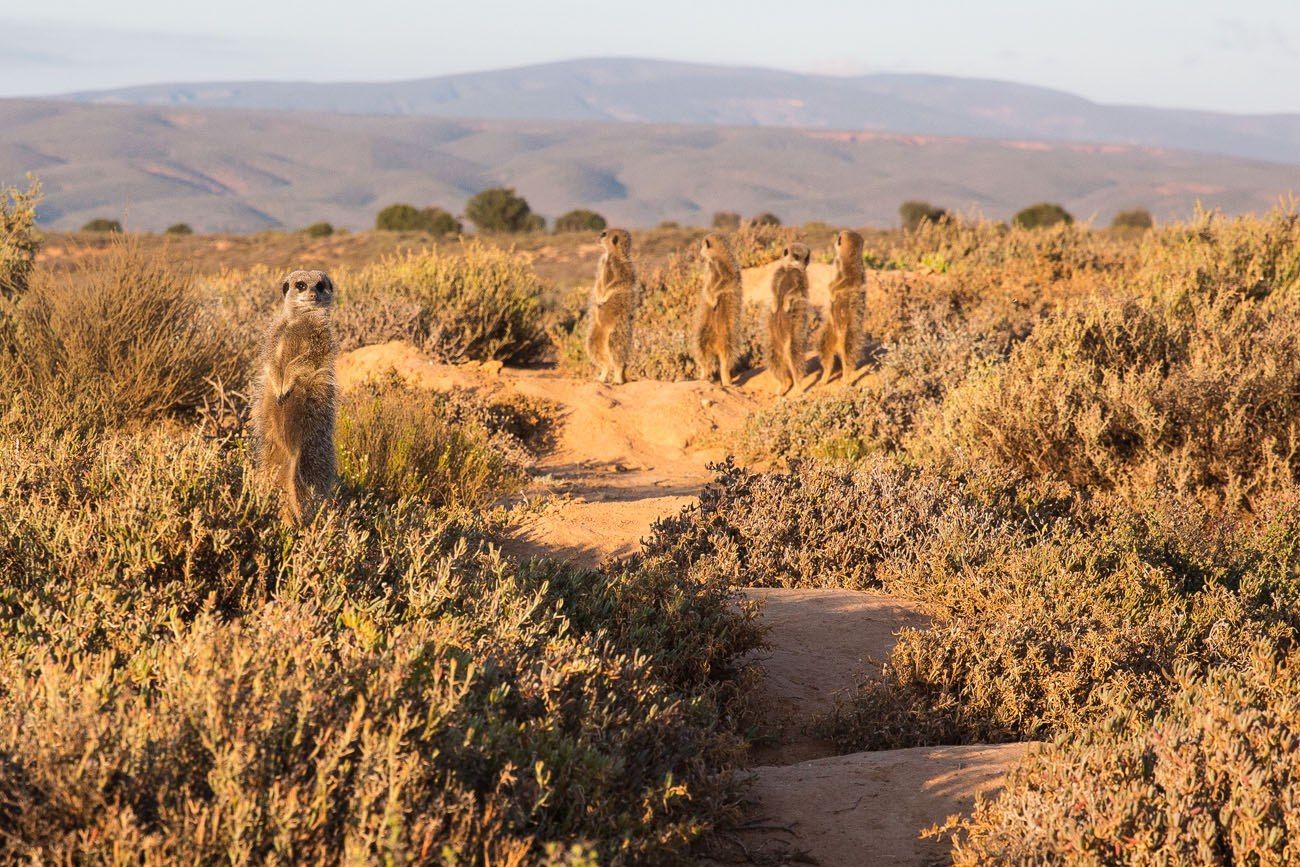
(123,338)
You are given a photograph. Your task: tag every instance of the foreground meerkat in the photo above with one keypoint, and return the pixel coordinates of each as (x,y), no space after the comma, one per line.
(295,398)
(717,321)
(609,342)
(787,324)
(842,336)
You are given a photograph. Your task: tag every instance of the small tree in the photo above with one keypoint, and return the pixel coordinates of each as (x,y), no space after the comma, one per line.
(319,230)
(766,218)
(913,213)
(398,218)
(178,229)
(437,221)
(726,221)
(102,224)
(580,220)
(1138,218)
(501,209)
(1042,215)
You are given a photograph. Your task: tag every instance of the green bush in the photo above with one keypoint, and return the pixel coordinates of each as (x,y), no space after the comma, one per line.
(178,229)
(102,224)
(1041,216)
(913,213)
(480,303)
(726,221)
(123,338)
(319,230)
(1139,218)
(766,219)
(439,222)
(501,209)
(398,218)
(580,220)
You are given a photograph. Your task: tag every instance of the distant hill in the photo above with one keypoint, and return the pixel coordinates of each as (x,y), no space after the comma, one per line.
(235,170)
(651,91)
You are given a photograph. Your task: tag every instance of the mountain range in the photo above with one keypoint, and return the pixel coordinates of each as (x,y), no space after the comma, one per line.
(652,91)
(639,141)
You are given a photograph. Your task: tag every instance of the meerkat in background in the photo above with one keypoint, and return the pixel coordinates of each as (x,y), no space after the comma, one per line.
(717,322)
(787,324)
(842,336)
(609,342)
(295,397)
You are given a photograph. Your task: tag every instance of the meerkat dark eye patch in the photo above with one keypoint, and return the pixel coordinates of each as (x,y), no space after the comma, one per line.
(284,288)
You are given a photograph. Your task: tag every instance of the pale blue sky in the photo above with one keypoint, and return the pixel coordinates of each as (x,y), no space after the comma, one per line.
(1242,55)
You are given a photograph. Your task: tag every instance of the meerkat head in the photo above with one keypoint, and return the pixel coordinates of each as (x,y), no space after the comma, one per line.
(617,242)
(848,244)
(307,290)
(796,255)
(715,246)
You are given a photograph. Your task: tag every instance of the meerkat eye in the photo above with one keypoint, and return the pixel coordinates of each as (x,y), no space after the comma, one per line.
(300,285)
(604,234)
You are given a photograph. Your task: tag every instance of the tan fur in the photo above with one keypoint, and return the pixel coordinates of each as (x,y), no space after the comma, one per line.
(609,342)
(787,324)
(717,320)
(842,336)
(295,397)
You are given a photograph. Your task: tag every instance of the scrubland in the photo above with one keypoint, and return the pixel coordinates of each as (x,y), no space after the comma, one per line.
(1077,448)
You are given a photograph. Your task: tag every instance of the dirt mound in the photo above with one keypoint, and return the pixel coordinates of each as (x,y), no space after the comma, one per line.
(867,808)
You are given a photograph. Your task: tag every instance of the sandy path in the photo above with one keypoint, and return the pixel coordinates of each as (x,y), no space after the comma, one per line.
(626,456)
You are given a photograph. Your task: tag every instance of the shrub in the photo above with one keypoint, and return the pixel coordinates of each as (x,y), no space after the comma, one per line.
(123,338)
(1139,218)
(913,213)
(178,229)
(395,441)
(102,224)
(1041,216)
(1210,781)
(766,219)
(319,230)
(481,303)
(398,218)
(19,240)
(210,685)
(726,221)
(580,220)
(439,222)
(501,209)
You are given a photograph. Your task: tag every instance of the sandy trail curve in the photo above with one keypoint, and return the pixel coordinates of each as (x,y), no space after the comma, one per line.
(626,456)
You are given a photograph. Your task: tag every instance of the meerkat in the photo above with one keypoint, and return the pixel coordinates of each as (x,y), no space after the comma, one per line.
(717,322)
(787,324)
(609,342)
(842,335)
(295,397)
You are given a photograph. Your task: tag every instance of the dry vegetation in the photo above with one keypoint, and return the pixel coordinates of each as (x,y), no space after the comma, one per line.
(183,679)
(1078,447)
(1080,450)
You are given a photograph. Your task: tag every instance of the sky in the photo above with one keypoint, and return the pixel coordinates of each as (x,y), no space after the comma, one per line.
(1241,56)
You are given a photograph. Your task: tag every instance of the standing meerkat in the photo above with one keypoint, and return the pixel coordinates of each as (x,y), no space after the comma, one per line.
(842,336)
(295,397)
(717,322)
(609,342)
(787,324)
